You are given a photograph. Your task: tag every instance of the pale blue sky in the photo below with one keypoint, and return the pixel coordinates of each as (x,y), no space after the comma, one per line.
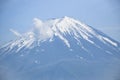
(19,14)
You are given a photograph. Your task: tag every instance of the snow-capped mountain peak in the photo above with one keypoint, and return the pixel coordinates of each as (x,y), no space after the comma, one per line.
(60,28)
(65,47)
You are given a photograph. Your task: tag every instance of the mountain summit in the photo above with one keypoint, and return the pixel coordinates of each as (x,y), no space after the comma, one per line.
(60,28)
(59,49)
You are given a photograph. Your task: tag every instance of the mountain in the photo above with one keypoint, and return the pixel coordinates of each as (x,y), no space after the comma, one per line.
(60,49)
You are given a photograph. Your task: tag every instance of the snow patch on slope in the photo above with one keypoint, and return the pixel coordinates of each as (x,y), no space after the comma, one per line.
(106,40)
(111,42)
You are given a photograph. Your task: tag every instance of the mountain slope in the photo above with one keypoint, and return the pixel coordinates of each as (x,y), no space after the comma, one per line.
(61,49)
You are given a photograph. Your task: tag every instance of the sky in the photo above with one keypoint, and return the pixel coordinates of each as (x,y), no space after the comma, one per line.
(19,14)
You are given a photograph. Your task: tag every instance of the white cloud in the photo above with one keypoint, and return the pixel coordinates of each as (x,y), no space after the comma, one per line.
(16,33)
(43,30)
(38,23)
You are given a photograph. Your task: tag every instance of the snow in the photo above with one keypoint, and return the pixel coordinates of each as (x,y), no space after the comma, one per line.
(109,52)
(84,48)
(42,50)
(61,27)
(64,39)
(71,49)
(68,26)
(37,62)
(79,47)
(21,55)
(24,41)
(109,41)
(80,57)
